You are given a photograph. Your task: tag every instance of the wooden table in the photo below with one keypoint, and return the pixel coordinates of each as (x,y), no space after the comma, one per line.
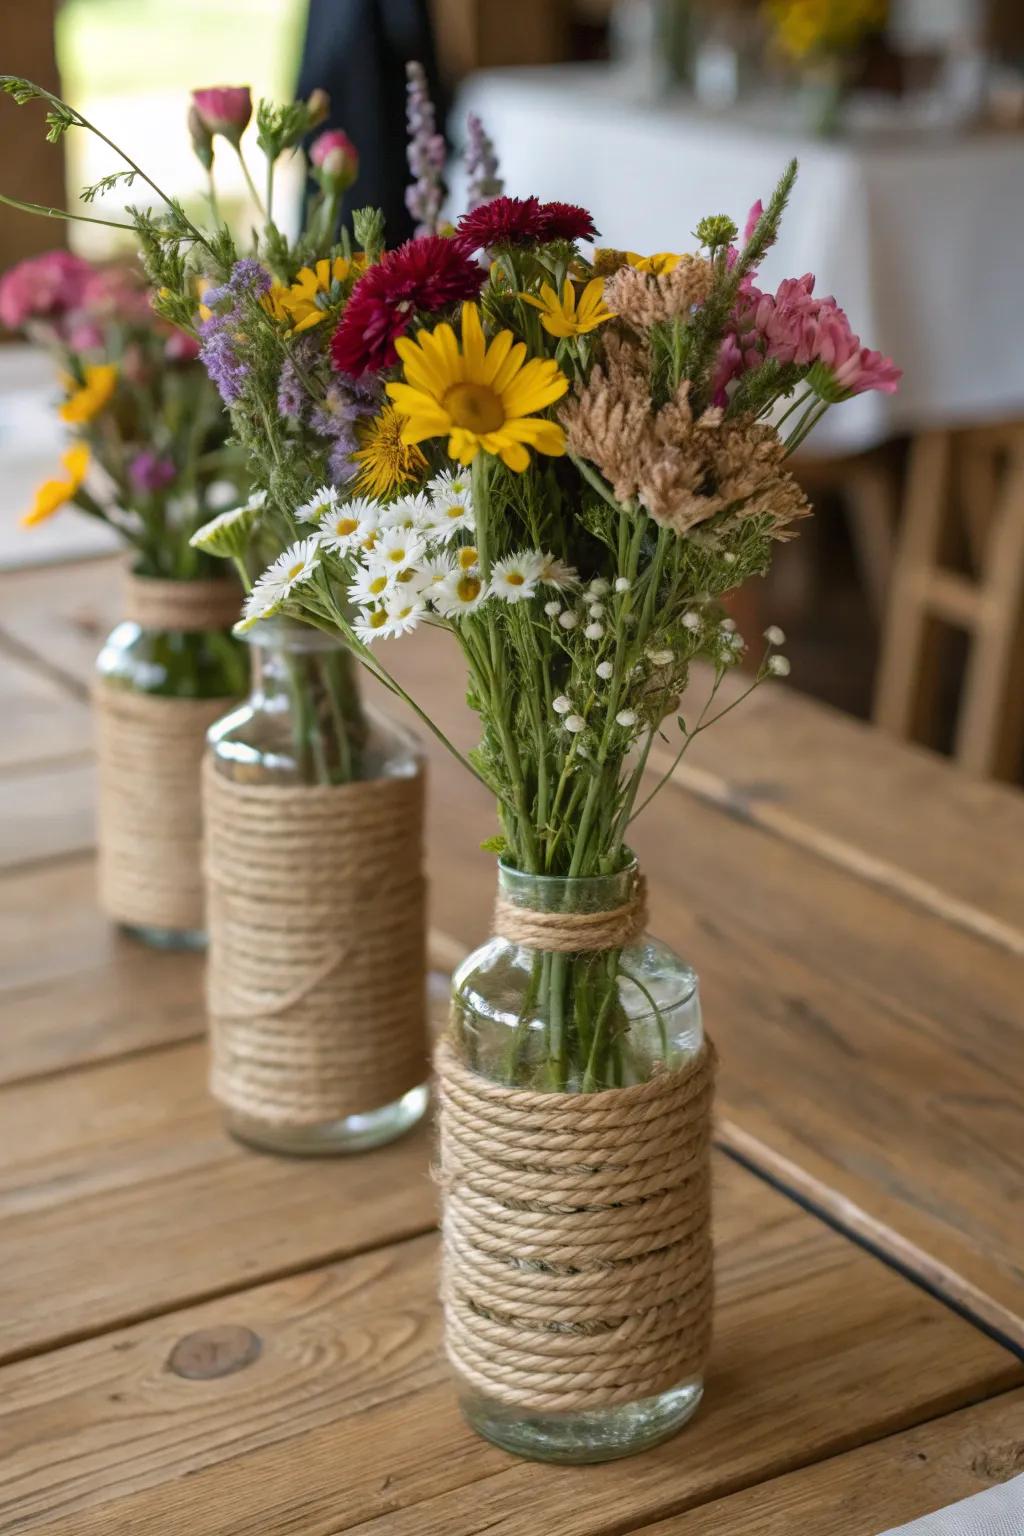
(204,1340)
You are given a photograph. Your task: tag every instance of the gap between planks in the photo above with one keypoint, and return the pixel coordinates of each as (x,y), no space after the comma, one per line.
(713,790)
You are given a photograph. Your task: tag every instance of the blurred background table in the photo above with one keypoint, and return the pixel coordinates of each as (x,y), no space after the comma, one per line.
(197,1337)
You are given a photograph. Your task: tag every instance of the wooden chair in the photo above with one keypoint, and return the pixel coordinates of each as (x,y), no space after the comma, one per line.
(964,500)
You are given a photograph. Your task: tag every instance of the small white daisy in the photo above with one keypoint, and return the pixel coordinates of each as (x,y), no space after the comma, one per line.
(562,705)
(407,512)
(227,534)
(515,578)
(626,718)
(430,573)
(319,505)
(450,508)
(262,602)
(568,619)
(397,548)
(773,634)
(455,485)
(404,609)
(467,557)
(605,670)
(778,666)
(460,593)
(370,625)
(555,573)
(296,565)
(372,584)
(574,724)
(348,527)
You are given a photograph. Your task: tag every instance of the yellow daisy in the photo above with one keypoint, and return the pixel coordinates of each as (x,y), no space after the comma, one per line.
(87,400)
(387,463)
(569,315)
(660,263)
(484,396)
(52,494)
(315,291)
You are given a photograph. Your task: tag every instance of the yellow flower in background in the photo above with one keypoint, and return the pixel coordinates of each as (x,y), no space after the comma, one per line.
(386,463)
(484,396)
(660,263)
(569,315)
(315,291)
(87,400)
(52,494)
(804,27)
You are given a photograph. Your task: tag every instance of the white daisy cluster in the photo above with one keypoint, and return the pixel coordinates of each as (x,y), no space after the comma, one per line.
(404,560)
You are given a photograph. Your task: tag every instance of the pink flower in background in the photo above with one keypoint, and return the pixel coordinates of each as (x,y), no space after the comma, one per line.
(224,109)
(150,471)
(42,287)
(117,292)
(181,347)
(336,158)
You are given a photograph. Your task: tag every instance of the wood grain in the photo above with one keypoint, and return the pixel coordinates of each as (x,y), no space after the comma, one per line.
(73,989)
(344,1419)
(876,1486)
(41,721)
(50,811)
(61,614)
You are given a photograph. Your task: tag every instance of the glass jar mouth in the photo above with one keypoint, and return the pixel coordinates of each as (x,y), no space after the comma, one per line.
(569,893)
(292,635)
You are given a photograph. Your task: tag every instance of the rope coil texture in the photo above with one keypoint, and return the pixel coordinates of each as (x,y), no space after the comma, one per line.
(149,814)
(574,932)
(576,1256)
(317,952)
(187,607)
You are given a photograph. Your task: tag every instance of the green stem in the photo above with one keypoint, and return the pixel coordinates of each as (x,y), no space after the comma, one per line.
(249,182)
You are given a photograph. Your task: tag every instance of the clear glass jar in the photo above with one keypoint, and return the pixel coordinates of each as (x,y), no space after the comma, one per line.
(554,1022)
(304,722)
(173,664)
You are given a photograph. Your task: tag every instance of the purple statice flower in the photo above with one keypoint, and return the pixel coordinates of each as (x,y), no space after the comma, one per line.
(481,161)
(426,153)
(150,472)
(347,402)
(292,394)
(249,280)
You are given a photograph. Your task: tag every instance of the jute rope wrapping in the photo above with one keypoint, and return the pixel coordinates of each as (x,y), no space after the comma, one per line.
(186,606)
(149,751)
(317,953)
(577,1259)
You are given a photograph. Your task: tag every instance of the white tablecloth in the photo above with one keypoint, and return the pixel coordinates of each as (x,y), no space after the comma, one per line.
(998,1511)
(919,235)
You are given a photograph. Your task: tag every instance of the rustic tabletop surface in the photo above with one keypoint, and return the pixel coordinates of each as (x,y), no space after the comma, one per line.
(200,1340)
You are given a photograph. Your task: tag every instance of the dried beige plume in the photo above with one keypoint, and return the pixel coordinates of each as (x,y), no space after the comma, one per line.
(649,298)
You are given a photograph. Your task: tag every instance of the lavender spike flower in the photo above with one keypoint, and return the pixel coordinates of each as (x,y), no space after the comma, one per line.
(426,154)
(481,161)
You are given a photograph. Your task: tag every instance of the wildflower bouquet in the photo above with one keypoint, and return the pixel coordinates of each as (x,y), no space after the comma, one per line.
(137,404)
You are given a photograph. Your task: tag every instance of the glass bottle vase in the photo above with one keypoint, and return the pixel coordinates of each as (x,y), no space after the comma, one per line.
(552,1022)
(158,687)
(304,724)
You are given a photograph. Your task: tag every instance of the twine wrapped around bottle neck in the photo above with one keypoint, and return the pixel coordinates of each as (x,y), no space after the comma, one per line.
(574,932)
(188,607)
(577,1257)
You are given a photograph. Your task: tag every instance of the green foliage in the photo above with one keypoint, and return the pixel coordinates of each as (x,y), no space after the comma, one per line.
(107,184)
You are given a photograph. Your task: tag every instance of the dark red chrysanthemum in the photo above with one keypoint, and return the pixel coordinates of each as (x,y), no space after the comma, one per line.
(503,221)
(425,274)
(566,221)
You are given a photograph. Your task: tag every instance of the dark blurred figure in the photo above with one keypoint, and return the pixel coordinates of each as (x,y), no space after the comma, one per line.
(357,50)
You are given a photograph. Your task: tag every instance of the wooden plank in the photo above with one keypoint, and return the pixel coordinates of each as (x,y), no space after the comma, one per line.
(41,722)
(62,614)
(876,1486)
(893,814)
(122,1196)
(345,1419)
(73,989)
(49,811)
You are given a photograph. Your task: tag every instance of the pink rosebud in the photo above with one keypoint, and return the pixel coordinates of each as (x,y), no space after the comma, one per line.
(752,218)
(224,109)
(335,158)
(42,287)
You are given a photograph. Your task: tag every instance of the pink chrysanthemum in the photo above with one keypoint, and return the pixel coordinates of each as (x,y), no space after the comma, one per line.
(424,275)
